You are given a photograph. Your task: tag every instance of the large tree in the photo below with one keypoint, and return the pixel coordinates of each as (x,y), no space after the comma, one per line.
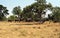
(17,11)
(56,14)
(27,13)
(3,12)
(37,9)
(40,6)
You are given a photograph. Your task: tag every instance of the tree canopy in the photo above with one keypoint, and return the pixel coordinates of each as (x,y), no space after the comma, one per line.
(36,10)
(17,11)
(3,12)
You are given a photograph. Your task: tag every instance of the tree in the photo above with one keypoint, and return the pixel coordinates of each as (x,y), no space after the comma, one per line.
(3,12)
(41,1)
(12,18)
(56,14)
(37,9)
(27,13)
(17,11)
(40,6)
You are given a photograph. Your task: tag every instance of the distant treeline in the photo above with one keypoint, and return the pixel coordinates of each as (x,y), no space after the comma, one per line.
(34,12)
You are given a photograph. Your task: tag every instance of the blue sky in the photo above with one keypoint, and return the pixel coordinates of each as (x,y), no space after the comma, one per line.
(10,4)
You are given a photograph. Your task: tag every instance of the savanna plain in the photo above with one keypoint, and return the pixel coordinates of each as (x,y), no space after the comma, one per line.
(29,30)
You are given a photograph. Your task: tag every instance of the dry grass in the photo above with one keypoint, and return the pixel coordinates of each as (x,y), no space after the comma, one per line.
(29,30)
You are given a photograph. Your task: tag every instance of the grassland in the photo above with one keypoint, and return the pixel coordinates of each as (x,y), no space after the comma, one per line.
(29,30)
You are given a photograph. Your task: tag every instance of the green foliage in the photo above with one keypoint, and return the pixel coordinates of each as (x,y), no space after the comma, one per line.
(17,11)
(41,1)
(12,17)
(56,14)
(36,10)
(3,12)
